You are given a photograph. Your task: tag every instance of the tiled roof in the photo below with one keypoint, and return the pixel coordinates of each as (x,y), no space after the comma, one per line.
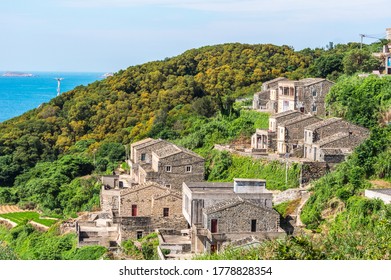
(310,81)
(297,119)
(231,203)
(149,143)
(223,205)
(167,151)
(332,138)
(275,80)
(141,142)
(332,151)
(286,113)
(172,149)
(140,187)
(167,193)
(322,123)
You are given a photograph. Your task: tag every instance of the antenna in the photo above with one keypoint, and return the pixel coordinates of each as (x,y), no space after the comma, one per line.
(58,85)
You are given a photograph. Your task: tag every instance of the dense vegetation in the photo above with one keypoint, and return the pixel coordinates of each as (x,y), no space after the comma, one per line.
(48,154)
(26,243)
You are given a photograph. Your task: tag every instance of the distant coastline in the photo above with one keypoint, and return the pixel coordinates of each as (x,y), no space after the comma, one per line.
(17,74)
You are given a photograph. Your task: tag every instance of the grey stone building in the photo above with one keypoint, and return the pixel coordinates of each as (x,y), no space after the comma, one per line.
(162,162)
(306,95)
(141,209)
(267,139)
(267,99)
(332,139)
(218,213)
(290,133)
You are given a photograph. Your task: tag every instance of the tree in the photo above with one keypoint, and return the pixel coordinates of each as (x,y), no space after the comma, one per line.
(358,60)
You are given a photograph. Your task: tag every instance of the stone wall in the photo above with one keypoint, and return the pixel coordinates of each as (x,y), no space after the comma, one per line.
(295,131)
(321,89)
(178,174)
(311,171)
(141,196)
(237,219)
(109,200)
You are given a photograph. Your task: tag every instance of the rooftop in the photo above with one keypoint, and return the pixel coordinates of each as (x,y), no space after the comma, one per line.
(297,120)
(332,151)
(172,149)
(310,81)
(332,138)
(230,203)
(286,113)
(323,123)
(274,80)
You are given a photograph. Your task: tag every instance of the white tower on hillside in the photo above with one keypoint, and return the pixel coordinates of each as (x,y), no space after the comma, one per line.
(58,85)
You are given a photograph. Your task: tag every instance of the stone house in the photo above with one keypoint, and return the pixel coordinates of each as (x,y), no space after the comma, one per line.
(332,139)
(218,213)
(147,207)
(267,139)
(267,98)
(141,209)
(332,148)
(306,95)
(290,133)
(162,162)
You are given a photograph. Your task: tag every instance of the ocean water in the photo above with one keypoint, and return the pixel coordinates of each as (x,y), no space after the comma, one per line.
(21,94)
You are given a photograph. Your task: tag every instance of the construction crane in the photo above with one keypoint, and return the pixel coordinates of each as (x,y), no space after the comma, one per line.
(368,36)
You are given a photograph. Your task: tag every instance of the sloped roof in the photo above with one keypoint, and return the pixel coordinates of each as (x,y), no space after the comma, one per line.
(232,203)
(332,138)
(142,142)
(310,81)
(332,151)
(275,80)
(322,123)
(141,187)
(297,120)
(168,192)
(285,113)
(172,149)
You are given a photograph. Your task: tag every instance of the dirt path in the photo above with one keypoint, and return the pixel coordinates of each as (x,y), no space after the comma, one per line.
(381,184)
(4,209)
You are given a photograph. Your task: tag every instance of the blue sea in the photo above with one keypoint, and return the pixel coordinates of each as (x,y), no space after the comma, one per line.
(21,94)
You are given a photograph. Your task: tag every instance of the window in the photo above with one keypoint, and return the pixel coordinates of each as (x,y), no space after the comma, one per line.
(188,168)
(314,109)
(253,225)
(213,226)
(142,157)
(168,168)
(166,212)
(314,93)
(134,210)
(168,186)
(139,234)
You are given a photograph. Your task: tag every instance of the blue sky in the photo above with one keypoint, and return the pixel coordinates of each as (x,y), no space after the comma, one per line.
(109,35)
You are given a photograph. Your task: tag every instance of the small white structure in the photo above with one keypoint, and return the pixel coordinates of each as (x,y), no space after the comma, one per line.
(383,194)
